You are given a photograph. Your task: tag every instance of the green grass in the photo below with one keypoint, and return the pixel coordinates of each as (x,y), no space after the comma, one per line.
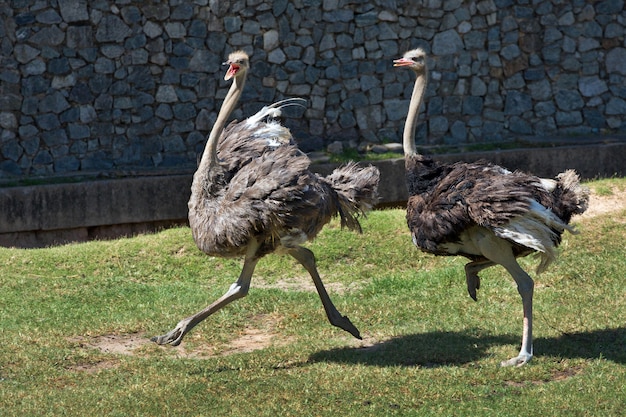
(609,186)
(428,349)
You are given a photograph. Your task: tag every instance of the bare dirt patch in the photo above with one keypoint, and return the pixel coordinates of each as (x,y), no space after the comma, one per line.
(249,341)
(124,344)
(605,204)
(555,376)
(258,335)
(303,283)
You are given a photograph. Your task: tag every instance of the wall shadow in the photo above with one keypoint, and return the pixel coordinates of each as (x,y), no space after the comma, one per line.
(436,349)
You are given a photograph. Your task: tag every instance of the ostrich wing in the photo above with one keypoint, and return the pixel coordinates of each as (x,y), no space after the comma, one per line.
(466,195)
(254,202)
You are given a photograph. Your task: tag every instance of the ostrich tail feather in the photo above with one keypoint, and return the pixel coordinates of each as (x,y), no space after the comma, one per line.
(357,191)
(575,197)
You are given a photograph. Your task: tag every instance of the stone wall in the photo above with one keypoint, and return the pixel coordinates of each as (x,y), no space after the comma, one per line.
(119,85)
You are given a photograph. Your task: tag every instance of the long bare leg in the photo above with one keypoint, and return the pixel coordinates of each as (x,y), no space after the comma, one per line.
(499,251)
(471,276)
(307,259)
(525,286)
(238,289)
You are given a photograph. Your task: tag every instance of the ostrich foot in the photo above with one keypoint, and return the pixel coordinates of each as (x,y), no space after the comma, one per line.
(174,336)
(344,323)
(519,360)
(473,284)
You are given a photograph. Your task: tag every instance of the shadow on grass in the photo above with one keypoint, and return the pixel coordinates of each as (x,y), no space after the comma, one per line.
(430,350)
(436,349)
(609,344)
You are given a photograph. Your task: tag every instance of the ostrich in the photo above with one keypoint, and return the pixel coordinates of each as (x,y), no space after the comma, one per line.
(485,212)
(253,194)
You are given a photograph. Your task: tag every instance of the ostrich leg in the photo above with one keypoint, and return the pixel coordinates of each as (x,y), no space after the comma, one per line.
(307,259)
(525,286)
(238,289)
(499,251)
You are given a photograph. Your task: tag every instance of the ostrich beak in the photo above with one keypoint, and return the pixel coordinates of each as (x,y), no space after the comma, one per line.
(402,62)
(232,71)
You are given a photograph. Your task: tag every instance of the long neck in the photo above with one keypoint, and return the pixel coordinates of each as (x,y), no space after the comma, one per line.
(209,156)
(408,138)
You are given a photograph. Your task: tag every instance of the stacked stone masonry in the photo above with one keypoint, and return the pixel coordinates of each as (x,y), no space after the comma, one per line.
(117,85)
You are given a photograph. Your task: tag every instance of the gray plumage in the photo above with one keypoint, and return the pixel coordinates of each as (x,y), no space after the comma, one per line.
(253,194)
(275,198)
(485,212)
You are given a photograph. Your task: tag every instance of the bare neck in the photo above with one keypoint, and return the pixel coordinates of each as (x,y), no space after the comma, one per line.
(408,138)
(209,156)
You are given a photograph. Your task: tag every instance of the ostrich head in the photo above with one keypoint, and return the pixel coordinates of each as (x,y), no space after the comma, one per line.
(238,64)
(414,59)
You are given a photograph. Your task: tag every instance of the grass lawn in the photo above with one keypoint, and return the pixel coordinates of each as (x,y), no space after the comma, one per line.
(75,324)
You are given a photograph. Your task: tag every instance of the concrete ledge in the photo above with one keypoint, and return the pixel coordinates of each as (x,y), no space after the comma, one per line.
(44,215)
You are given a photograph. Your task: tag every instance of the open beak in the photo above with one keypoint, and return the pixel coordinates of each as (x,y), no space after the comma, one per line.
(402,62)
(232,71)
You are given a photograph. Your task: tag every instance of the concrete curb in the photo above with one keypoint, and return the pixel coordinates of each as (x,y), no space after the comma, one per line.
(44,215)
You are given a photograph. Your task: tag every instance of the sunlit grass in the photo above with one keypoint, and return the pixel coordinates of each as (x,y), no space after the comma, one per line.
(609,186)
(428,348)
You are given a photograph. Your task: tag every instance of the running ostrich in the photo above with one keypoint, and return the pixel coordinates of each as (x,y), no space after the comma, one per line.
(485,212)
(253,194)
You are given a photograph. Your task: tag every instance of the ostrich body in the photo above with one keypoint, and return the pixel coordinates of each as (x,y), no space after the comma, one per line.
(485,212)
(253,194)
